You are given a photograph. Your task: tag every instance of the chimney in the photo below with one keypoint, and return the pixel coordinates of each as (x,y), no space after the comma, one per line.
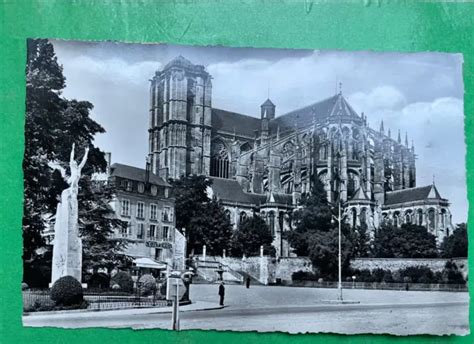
(147,170)
(108,160)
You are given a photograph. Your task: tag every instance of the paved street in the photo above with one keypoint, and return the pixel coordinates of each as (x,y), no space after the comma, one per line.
(296,310)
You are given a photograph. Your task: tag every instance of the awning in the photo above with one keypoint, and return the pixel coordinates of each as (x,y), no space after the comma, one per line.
(148,263)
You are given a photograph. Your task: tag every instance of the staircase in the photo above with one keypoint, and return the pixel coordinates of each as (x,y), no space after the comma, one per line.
(207,272)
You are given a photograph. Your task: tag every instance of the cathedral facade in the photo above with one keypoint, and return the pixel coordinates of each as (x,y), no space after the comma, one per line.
(264,164)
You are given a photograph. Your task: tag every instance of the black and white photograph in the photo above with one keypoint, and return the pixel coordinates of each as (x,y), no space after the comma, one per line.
(244,189)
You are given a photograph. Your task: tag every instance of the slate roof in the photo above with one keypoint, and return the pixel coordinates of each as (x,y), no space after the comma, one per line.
(135,173)
(413,194)
(281,198)
(320,111)
(268,102)
(231,191)
(334,106)
(232,121)
(360,195)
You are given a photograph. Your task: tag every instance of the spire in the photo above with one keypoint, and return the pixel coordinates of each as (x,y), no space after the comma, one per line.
(389,133)
(399,138)
(406,139)
(278,132)
(382,131)
(412,146)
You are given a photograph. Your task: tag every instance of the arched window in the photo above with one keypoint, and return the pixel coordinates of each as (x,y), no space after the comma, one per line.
(408,217)
(420,217)
(242,217)
(396,219)
(271,222)
(219,160)
(431,219)
(363,216)
(281,219)
(443,218)
(354,217)
(227,213)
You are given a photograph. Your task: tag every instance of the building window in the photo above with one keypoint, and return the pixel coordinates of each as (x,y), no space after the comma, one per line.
(154,190)
(420,217)
(167,214)
(141,210)
(219,160)
(165,232)
(140,230)
(271,222)
(129,186)
(152,231)
(242,217)
(125,207)
(124,230)
(153,212)
(141,187)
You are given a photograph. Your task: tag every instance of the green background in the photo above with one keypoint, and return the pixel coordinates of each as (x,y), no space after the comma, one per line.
(361,25)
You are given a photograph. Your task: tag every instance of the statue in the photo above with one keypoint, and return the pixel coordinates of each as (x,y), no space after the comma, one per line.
(67,245)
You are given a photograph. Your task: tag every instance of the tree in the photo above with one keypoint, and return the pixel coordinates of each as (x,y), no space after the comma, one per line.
(52,125)
(214,228)
(323,247)
(204,220)
(314,216)
(252,233)
(455,245)
(97,224)
(407,241)
(360,241)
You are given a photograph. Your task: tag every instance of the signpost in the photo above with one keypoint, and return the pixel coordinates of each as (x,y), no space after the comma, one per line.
(175,290)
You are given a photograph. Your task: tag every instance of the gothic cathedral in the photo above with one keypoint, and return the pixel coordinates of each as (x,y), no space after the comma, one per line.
(263,165)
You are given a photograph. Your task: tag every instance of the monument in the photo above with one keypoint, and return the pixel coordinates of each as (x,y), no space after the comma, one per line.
(67,245)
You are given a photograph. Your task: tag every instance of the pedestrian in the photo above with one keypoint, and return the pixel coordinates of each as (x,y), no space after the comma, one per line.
(247,282)
(221,293)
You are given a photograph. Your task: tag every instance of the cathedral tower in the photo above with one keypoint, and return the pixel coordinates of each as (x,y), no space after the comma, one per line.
(180,120)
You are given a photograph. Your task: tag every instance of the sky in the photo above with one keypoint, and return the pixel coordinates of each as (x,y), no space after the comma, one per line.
(417,93)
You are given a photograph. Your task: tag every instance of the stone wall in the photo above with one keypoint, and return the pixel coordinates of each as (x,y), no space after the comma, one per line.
(267,270)
(392,264)
(286,266)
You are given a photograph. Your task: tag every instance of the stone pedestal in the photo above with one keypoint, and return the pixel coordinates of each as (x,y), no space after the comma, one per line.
(67,249)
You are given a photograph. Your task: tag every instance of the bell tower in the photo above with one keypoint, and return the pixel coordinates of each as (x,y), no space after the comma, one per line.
(180,120)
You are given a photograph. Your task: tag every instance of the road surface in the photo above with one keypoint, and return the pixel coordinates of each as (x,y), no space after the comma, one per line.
(296,310)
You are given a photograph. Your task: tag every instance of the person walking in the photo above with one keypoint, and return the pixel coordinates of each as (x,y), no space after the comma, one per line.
(221,293)
(247,282)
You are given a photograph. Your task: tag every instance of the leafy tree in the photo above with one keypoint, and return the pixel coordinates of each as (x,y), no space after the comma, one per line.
(97,223)
(314,216)
(203,219)
(52,125)
(455,245)
(214,228)
(407,241)
(359,239)
(323,247)
(252,233)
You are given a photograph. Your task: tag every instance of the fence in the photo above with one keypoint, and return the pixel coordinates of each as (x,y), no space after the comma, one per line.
(40,300)
(381,285)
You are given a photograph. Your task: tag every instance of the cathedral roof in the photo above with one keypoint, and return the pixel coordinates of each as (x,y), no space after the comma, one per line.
(231,191)
(228,121)
(268,102)
(335,106)
(360,195)
(421,193)
(179,61)
(135,173)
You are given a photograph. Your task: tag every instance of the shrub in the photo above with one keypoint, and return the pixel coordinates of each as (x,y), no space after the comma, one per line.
(417,274)
(451,274)
(387,277)
(99,280)
(147,284)
(124,280)
(24,286)
(304,276)
(67,291)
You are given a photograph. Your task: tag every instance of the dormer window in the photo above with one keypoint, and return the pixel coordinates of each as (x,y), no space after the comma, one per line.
(141,187)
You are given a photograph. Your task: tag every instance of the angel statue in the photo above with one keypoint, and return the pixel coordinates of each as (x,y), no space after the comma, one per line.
(67,245)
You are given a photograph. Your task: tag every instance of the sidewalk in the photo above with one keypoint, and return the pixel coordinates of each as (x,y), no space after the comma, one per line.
(195,306)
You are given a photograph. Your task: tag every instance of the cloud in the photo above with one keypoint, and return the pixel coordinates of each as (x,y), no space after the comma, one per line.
(437,129)
(420,93)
